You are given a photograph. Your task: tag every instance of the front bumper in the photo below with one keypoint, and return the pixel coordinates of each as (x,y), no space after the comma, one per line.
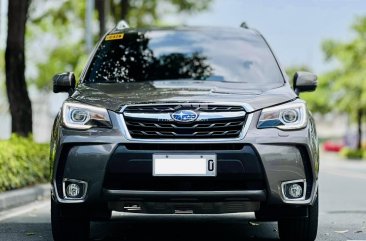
(254,173)
(251,170)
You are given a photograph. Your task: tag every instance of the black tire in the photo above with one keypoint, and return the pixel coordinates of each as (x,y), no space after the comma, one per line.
(301,229)
(68,228)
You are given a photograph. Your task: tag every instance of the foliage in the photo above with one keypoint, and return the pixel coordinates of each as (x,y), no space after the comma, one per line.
(22,163)
(59,28)
(348,80)
(344,88)
(320,101)
(63,23)
(348,85)
(144,13)
(350,153)
(68,58)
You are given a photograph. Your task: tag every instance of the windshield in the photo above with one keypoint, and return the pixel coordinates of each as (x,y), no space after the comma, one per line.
(228,56)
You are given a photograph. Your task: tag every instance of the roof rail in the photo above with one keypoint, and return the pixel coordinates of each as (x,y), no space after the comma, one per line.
(244,25)
(122,25)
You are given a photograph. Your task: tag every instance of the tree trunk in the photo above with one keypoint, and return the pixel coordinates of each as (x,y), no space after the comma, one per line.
(100,6)
(125,7)
(359,129)
(16,87)
(114,13)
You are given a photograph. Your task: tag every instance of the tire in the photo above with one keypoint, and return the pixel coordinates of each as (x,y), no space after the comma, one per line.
(68,228)
(301,229)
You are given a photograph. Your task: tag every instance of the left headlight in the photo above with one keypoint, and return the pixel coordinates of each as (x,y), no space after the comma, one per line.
(82,117)
(290,116)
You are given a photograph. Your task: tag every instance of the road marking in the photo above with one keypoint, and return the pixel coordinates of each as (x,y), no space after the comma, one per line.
(23,210)
(344,173)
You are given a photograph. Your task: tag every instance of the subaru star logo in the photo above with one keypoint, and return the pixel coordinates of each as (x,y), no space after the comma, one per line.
(185,116)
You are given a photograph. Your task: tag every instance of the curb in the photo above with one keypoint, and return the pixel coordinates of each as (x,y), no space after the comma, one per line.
(19,197)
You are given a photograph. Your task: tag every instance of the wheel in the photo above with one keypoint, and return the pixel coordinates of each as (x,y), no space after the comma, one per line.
(68,228)
(301,229)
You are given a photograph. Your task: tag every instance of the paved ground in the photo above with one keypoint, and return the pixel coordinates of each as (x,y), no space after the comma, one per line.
(342,216)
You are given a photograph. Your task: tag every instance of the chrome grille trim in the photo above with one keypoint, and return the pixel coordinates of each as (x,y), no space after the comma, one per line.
(202,115)
(246,107)
(197,126)
(195,134)
(171,108)
(203,139)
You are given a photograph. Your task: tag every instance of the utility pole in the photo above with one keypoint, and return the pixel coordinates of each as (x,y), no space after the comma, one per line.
(89,23)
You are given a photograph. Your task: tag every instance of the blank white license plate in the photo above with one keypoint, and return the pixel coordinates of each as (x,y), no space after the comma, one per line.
(184,165)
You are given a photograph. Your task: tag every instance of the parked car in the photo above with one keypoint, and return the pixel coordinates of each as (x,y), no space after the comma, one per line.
(184,120)
(332,146)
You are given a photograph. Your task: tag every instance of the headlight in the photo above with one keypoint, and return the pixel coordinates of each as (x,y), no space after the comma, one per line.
(289,116)
(81,116)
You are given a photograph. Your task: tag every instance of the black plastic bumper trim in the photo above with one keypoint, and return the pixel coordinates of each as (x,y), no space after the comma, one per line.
(252,195)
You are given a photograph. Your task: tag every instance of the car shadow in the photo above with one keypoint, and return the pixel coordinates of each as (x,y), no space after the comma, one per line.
(187,229)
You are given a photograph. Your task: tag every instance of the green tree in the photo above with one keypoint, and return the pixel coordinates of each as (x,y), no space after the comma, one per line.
(64,24)
(140,13)
(321,101)
(347,83)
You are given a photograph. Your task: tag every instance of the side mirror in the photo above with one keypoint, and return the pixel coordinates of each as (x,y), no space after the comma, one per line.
(64,82)
(305,82)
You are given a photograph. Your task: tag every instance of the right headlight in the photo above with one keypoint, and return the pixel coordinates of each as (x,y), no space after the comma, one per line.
(289,116)
(82,116)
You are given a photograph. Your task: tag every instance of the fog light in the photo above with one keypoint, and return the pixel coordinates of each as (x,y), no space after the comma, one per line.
(295,190)
(72,190)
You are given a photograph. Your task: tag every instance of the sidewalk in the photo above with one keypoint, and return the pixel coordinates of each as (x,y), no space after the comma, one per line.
(19,197)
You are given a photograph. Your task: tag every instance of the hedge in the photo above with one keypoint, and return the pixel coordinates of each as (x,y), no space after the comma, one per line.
(23,163)
(352,153)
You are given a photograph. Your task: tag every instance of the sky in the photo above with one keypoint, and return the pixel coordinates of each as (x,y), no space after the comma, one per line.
(294,29)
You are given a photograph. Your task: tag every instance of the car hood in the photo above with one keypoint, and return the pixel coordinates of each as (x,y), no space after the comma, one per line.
(115,95)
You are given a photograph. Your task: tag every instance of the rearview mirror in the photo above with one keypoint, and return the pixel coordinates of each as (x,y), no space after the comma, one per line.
(64,82)
(305,82)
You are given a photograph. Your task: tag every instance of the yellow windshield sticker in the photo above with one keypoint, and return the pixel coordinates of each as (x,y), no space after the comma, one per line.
(114,36)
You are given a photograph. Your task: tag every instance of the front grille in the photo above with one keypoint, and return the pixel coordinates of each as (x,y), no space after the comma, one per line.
(210,129)
(225,125)
(173,108)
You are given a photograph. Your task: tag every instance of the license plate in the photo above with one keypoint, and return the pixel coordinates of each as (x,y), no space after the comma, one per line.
(184,165)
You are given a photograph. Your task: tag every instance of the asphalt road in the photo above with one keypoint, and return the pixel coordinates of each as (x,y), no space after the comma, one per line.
(342,216)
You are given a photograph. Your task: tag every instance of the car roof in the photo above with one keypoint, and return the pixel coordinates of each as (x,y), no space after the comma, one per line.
(241,30)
